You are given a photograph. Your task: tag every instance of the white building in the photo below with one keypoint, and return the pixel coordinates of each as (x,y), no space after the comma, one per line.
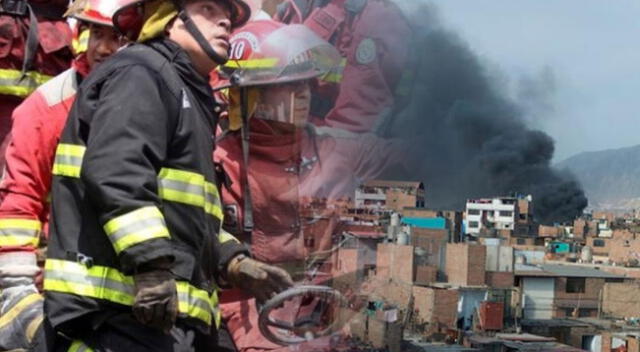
(496,213)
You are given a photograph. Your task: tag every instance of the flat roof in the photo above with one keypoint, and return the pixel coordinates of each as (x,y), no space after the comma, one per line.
(560,270)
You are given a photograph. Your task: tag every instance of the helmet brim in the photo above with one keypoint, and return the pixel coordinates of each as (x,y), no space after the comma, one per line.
(240,13)
(107,23)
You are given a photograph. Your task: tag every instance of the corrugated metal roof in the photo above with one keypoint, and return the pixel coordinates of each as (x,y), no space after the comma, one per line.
(426,223)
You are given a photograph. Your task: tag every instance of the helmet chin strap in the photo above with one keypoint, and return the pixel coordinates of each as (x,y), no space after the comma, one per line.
(197,35)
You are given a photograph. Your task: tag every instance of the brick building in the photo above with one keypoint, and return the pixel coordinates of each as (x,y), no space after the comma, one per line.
(465,264)
(395,262)
(390,195)
(436,307)
(557,291)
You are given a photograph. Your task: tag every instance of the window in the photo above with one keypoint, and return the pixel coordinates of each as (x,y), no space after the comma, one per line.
(575,285)
(473,212)
(586,313)
(506,213)
(521,241)
(617,280)
(523,216)
(598,243)
(474,224)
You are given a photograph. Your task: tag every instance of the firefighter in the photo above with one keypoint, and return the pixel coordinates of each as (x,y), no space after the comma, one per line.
(273,68)
(369,87)
(29,54)
(37,124)
(134,242)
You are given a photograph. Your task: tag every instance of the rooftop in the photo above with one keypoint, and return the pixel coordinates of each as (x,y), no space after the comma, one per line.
(426,223)
(559,270)
(393,184)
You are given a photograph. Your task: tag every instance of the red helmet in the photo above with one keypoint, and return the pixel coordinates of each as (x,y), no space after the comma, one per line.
(129,17)
(267,52)
(93,11)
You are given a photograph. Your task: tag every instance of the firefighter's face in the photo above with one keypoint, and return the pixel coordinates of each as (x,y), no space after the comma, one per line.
(103,42)
(213,21)
(287,103)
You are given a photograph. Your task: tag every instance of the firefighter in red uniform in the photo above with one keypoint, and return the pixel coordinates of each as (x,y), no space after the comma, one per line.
(289,165)
(37,125)
(373,37)
(29,54)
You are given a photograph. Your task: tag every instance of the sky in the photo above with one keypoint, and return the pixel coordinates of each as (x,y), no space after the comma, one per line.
(573,64)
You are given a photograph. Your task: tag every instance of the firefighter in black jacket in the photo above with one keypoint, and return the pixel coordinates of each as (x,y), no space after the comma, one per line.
(136,213)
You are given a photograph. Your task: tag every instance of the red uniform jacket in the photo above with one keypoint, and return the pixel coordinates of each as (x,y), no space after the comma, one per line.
(37,125)
(286,174)
(53,56)
(374,43)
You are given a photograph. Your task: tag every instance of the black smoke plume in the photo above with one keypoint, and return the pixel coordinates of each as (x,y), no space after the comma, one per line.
(472,139)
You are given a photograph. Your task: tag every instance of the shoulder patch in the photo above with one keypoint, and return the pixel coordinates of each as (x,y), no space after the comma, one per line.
(366,52)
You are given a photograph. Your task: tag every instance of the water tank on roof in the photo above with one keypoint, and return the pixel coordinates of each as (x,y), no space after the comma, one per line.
(586,255)
(403,238)
(395,219)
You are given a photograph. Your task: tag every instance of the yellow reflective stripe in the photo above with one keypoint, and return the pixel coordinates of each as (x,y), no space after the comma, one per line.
(225,236)
(98,282)
(173,185)
(217,315)
(213,204)
(11,84)
(135,227)
(18,308)
(253,63)
(79,346)
(68,160)
(33,326)
(335,75)
(19,232)
(194,302)
(109,284)
(189,188)
(81,43)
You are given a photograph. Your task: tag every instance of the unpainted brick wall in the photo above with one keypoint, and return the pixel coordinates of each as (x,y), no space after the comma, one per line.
(466,264)
(500,279)
(606,342)
(476,263)
(620,300)
(426,275)
(436,306)
(395,261)
(633,345)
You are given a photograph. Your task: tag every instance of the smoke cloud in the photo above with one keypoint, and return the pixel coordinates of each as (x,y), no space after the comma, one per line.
(471,139)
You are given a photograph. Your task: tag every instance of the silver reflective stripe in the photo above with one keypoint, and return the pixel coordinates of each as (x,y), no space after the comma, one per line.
(19,232)
(137,226)
(182,187)
(213,198)
(93,281)
(194,301)
(63,159)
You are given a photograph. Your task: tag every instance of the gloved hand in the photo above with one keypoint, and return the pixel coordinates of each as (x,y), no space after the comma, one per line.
(263,281)
(156,298)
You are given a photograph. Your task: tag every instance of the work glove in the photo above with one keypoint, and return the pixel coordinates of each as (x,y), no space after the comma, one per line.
(156,298)
(261,280)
